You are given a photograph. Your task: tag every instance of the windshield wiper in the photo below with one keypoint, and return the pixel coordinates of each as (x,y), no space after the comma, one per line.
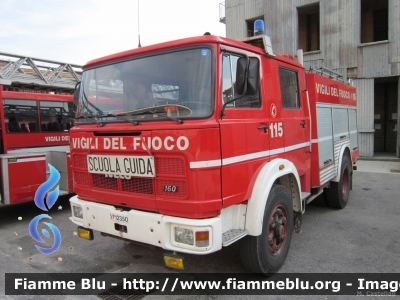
(91,118)
(161,109)
(123,117)
(157,109)
(95,118)
(172,118)
(141,111)
(154,110)
(90,103)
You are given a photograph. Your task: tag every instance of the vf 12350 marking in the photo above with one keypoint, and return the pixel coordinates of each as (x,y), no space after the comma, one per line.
(118,218)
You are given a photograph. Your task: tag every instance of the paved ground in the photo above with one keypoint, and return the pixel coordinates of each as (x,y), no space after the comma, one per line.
(378,166)
(363,237)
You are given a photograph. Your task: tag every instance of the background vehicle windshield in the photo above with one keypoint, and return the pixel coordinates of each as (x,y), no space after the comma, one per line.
(182,77)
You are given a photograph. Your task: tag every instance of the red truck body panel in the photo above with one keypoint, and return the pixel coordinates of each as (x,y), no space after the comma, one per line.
(25,153)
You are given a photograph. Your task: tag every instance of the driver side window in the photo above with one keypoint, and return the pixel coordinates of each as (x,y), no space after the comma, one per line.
(228,74)
(229,91)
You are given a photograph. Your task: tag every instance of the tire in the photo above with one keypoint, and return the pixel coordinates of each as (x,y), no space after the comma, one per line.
(267,252)
(338,193)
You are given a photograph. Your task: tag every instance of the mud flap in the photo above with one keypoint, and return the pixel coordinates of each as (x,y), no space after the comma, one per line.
(298,221)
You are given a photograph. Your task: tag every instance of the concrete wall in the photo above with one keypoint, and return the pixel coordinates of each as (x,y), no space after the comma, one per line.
(340,45)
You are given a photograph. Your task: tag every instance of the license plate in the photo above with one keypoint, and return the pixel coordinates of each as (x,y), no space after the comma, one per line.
(121,166)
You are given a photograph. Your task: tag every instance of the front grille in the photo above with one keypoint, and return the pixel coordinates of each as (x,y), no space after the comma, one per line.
(108,183)
(81,178)
(170,171)
(79,161)
(169,166)
(138,185)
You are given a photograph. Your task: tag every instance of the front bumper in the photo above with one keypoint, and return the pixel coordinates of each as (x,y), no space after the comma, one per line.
(145,227)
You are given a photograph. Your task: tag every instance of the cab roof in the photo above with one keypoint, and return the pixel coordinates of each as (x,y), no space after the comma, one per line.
(199,40)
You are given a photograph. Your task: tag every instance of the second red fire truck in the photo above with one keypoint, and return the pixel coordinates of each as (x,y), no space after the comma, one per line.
(35,133)
(195,144)
(36,114)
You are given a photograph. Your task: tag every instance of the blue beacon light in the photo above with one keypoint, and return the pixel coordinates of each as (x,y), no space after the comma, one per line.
(259,27)
(259,30)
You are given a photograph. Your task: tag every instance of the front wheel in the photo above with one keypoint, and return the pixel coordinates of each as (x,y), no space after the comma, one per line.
(267,252)
(338,192)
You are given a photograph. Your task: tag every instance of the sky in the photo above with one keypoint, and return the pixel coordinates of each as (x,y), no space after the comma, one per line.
(77,31)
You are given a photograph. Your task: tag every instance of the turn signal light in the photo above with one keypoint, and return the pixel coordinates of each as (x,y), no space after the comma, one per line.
(202,238)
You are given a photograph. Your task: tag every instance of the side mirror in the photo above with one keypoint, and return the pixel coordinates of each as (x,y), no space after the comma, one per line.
(254,74)
(247,79)
(247,69)
(76,94)
(241,75)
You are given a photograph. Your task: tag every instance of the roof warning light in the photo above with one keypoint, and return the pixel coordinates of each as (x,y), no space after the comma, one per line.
(259,27)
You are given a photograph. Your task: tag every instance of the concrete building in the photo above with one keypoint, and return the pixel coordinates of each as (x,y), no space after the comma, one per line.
(358,39)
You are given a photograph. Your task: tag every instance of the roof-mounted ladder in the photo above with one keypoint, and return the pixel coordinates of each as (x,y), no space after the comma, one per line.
(23,71)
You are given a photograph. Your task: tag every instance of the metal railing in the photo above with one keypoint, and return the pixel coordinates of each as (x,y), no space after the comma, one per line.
(323,71)
(222,12)
(23,71)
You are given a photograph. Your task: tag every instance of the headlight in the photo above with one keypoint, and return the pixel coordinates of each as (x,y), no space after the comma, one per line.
(77,212)
(184,236)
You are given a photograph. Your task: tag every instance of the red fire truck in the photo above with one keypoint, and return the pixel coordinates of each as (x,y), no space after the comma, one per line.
(35,133)
(207,141)
(36,114)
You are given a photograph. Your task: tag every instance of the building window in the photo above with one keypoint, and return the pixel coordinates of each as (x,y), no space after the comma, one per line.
(250,25)
(289,88)
(374,21)
(309,27)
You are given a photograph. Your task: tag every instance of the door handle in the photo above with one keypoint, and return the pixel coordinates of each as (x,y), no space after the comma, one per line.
(303,123)
(263,127)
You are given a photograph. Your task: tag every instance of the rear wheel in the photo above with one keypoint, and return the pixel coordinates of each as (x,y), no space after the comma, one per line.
(338,193)
(267,252)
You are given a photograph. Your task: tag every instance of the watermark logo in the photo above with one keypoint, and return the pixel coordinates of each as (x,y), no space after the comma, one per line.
(45,187)
(50,201)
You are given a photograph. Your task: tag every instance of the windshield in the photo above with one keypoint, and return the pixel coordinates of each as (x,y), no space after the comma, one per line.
(175,84)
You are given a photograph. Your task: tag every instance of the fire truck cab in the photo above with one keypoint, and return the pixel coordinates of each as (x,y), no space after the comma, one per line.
(195,144)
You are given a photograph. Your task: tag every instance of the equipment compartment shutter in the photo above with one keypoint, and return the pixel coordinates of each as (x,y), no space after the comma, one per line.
(353,129)
(340,124)
(325,142)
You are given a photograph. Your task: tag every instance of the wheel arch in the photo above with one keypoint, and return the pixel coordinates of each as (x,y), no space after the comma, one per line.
(345,150)
(279,171)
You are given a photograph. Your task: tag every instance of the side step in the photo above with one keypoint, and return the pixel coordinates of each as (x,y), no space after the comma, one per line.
(233,235)
(304,197)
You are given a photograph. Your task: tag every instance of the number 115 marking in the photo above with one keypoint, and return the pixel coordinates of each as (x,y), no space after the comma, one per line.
(276,129)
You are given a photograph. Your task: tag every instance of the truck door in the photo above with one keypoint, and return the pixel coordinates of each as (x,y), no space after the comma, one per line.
(295,126)
(244,132)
